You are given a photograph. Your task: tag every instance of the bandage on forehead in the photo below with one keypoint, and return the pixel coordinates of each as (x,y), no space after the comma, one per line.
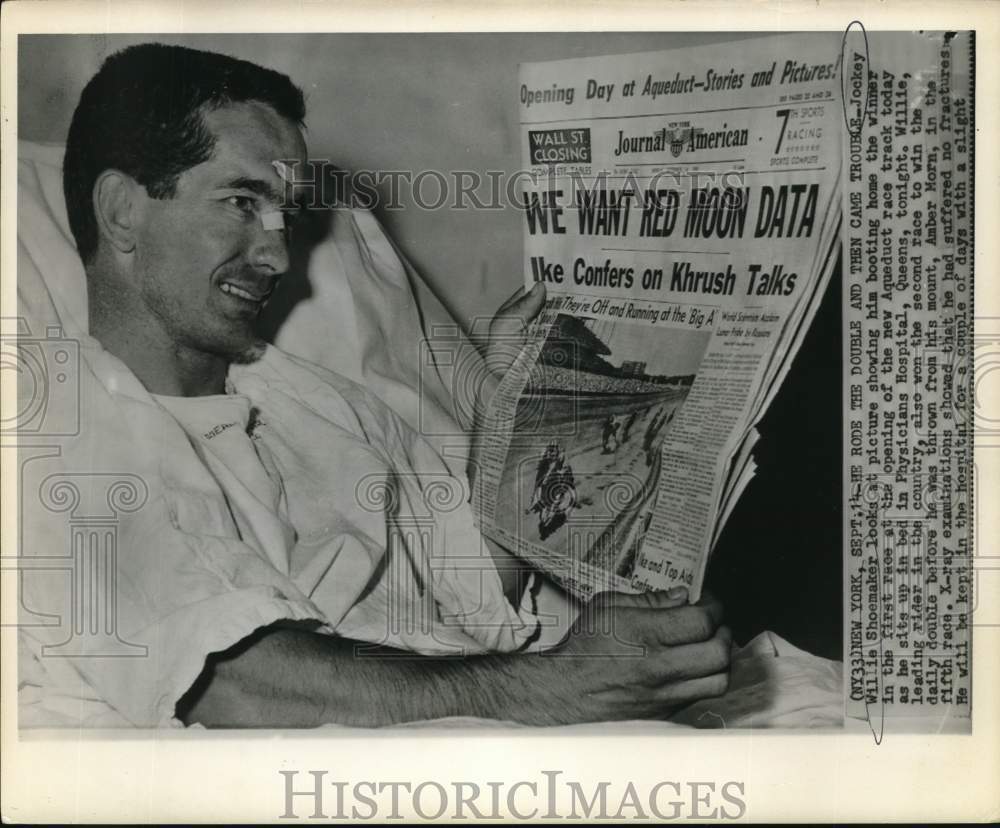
(274,220)
(284,171)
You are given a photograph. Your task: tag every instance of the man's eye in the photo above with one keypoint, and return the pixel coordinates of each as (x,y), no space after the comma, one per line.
(244,204)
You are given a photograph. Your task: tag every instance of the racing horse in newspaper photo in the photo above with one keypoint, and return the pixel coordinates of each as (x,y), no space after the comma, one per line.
(555,490)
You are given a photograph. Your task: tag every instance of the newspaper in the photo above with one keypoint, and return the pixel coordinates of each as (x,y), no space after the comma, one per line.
(683,210)
(686,209)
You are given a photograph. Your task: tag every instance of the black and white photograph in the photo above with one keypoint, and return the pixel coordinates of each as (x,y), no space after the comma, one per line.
(257,514)
(375,385)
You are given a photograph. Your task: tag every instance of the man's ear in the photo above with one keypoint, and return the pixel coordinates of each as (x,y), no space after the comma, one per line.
(116,208)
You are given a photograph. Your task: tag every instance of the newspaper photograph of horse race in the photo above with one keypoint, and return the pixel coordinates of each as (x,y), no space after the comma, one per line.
(584,459)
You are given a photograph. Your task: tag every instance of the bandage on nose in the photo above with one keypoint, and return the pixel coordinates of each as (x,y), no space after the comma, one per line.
(275,220)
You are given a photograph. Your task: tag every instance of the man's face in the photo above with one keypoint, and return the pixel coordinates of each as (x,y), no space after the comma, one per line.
(205,262)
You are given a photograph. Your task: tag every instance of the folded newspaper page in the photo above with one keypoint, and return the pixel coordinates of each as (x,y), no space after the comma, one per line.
(683,209)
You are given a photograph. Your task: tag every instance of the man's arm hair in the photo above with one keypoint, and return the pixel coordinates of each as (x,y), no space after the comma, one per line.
(287,677)
(627,657)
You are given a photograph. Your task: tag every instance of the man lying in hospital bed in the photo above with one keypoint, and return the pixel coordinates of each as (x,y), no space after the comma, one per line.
(282,533)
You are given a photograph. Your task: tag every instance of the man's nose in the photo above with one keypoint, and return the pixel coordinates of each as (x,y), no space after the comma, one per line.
(269,250)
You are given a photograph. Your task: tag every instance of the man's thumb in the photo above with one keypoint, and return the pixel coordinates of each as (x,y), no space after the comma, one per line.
(528,306)
(660,599)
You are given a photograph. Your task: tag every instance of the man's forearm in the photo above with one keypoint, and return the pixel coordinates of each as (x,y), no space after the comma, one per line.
(627,657)
(294,678)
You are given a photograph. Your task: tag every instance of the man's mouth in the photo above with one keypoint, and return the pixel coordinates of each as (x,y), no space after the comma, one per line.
(254,295)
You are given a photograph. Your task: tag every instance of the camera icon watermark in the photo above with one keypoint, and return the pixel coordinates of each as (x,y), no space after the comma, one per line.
(420,508)
(47,370)
(919,566)
(986,388)
(523,386)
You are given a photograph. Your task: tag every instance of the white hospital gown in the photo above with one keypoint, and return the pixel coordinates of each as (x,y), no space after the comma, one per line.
(335,513)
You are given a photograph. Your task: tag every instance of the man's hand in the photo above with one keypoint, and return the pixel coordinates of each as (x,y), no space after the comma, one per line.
(506,336)
(509,327)
(631,657)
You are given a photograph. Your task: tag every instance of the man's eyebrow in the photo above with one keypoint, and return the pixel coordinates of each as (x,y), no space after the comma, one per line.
(257,186)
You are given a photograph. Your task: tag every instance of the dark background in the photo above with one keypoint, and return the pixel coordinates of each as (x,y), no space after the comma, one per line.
(777,565)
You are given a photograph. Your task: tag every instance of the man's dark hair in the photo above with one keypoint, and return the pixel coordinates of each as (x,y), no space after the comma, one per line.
(142,114)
